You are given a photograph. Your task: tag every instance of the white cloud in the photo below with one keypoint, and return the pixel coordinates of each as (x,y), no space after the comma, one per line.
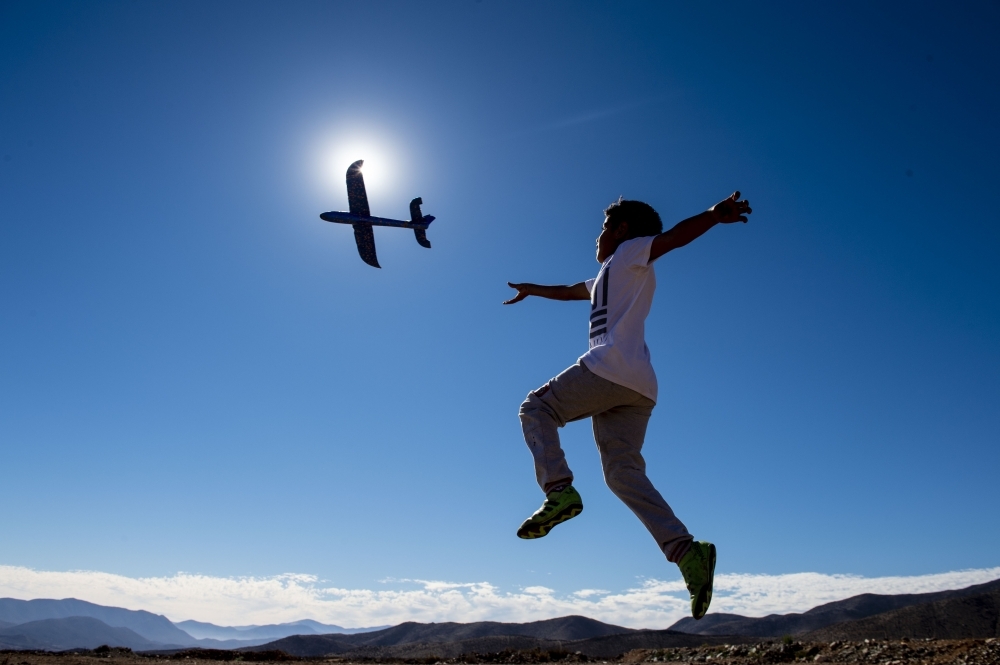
(653,604)
(587,593)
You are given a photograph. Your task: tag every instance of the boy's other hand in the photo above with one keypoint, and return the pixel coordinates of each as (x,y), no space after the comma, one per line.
(557,292)
(522,293)
(731,210)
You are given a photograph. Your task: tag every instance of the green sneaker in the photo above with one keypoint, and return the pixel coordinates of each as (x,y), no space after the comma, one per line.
(559,506)
(698,568)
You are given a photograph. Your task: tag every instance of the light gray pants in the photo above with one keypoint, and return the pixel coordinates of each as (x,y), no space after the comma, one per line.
(619,415)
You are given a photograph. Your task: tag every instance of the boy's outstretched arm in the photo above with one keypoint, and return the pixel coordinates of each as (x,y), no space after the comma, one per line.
(725,212)
(575,292)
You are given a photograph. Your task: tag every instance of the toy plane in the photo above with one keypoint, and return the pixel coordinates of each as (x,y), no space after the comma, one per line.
(361,219)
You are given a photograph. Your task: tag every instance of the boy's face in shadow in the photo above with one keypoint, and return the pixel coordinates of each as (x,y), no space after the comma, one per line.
(610,238)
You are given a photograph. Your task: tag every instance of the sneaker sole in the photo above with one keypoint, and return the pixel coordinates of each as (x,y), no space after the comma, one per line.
(711,584)
(540,529)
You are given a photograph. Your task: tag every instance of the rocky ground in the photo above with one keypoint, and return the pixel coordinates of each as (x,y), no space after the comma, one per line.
(874,652)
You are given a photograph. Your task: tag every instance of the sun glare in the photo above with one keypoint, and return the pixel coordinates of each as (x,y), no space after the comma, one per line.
(386,163)
(378,169)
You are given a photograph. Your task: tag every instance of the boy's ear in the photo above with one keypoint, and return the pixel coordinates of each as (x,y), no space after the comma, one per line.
(621,231)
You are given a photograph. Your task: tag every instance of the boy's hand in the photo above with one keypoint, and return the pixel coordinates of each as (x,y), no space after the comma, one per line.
(731,210)
(522,293)
(724,212)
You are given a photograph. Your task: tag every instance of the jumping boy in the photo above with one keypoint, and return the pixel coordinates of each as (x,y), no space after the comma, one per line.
(614,385)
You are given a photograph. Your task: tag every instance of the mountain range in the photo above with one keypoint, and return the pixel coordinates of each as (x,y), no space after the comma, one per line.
(448,640)
(52,624)
(201,630)
(70,633)
(57,625)
(850,609)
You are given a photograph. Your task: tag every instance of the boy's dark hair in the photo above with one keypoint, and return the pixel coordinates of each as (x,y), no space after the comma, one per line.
(642,219)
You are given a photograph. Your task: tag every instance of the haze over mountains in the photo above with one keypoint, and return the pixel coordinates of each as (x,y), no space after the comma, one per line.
(202,630)
(52,624)
(57,625)
(70,633)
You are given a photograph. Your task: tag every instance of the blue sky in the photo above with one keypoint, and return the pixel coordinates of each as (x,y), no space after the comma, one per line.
(198,375)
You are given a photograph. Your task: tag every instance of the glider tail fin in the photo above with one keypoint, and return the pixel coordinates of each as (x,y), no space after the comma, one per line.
(415,217)
(422,238)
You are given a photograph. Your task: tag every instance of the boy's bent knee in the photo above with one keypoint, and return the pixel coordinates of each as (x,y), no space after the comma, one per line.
(528,406)
(533,401)
(534,409)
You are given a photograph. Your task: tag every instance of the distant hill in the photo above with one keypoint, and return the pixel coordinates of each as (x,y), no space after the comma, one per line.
(153,627)
(203,630)
(851,609)
(70,633)
(954,618)
(567,628)
(157,629)
(562,629)
(450,640)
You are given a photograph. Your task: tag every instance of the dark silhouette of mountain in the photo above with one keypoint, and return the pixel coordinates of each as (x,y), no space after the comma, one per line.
(308,645)
(604,646)
(70,633)
(153,627)
(562,629)
(851,609)
(449,640)
(975,617)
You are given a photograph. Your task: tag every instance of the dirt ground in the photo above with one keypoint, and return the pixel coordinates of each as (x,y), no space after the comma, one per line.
(874,652)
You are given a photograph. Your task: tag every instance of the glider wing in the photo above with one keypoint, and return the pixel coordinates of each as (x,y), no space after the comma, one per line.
(365,240)
(356,196)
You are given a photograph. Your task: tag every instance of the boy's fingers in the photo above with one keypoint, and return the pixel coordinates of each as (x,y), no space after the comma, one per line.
(735,195)
(743,219)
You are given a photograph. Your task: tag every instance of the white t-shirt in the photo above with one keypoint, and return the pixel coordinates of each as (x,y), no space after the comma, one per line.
(620,298)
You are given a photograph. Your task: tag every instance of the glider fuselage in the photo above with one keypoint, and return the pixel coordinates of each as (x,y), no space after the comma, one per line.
(347,218)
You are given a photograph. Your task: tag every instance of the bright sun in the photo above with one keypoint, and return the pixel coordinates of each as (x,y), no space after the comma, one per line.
(377,171)
(385,160)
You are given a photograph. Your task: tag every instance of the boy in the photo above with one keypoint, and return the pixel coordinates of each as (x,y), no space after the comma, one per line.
(614,385)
